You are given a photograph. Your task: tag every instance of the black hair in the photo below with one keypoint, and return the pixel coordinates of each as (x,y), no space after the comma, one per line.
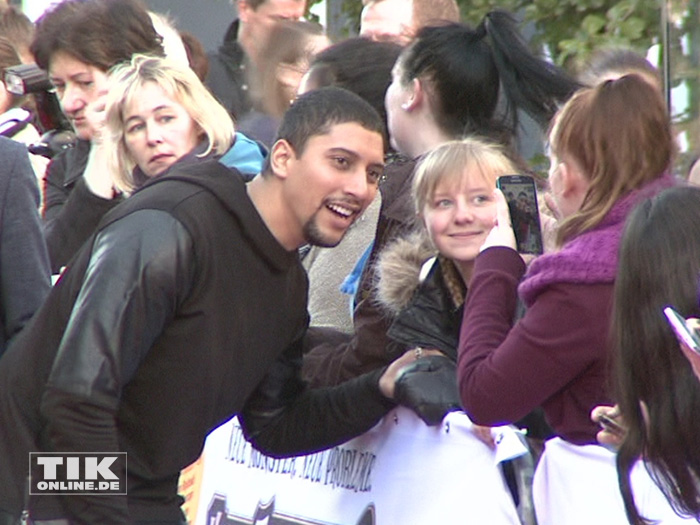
(346,65)
(659,266)
(465,69)
(315,112)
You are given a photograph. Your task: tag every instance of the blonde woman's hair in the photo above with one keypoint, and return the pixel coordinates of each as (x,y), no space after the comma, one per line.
(180,83)
(619,134)
(451,160)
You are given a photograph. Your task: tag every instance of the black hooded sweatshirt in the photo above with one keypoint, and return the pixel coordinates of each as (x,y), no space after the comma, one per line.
(180,311)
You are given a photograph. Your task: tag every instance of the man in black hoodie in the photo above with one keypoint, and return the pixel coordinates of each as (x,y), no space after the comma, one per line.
(187,306)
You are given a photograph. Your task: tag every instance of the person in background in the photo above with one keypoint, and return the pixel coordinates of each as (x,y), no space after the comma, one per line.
(658,395)
(71,46)
(399,20)
(196,54)
(140,346)
(345,64)
(557,355)
(235,61)
(19,30)
(284,59)
(445,85)
(614,62)
(165,117)
(333,274)
(25,276)
(16,112)
(77,42)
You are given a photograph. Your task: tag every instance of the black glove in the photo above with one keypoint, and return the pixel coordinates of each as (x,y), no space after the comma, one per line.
(428,386)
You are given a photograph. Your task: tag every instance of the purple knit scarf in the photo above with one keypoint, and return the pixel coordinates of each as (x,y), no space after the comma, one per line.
(592,256)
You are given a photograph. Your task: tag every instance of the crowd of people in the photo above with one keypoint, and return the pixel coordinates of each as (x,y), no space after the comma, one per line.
(306,234)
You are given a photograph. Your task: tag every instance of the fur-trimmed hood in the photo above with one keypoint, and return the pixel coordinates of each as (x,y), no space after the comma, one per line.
(398,270)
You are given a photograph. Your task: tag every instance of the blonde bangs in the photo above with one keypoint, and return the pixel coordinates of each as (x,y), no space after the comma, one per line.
(457,162)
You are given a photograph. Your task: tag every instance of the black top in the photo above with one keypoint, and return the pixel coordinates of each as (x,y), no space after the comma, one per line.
(180,311)
(228,78)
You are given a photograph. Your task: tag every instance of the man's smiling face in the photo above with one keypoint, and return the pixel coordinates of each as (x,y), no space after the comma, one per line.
(332,182)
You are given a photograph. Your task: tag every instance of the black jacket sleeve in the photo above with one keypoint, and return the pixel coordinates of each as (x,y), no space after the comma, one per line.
(283,417)
(71,211)
(140,267)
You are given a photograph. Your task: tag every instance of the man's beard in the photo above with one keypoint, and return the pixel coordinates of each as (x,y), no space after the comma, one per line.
(315,237)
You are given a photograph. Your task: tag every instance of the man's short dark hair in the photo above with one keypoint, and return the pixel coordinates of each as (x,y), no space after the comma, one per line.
(315,112)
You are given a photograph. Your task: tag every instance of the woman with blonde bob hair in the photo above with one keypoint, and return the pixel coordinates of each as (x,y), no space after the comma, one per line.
(423,276)
(610,148)
(213,126)
(156,113)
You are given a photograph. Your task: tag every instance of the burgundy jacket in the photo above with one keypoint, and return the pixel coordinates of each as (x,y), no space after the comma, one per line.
(556,356)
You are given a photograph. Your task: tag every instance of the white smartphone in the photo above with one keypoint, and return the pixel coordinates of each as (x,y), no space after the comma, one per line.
(686,334)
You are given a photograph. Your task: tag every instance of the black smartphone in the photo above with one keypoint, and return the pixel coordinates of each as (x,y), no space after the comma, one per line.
(686,334)
(521,194)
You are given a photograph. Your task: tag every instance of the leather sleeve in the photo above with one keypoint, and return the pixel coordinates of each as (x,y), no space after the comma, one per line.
(285,418)
(141,267)
(70,219)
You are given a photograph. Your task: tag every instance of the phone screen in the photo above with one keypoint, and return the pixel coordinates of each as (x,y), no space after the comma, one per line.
(521,194)
(683,332)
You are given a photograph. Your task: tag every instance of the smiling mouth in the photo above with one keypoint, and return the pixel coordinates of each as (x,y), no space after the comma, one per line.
(342,211)
(465,235)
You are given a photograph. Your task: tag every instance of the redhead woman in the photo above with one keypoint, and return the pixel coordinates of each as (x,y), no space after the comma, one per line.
(557,355)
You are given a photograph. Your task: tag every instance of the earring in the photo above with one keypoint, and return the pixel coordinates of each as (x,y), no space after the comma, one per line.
(405,106)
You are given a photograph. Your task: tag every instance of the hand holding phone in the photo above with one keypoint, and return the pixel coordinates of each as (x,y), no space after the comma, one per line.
(613,428)
(521,194)
(689,336)
(610,425)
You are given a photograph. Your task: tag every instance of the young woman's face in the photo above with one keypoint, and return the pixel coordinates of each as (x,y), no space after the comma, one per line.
(459,216)
(157,130)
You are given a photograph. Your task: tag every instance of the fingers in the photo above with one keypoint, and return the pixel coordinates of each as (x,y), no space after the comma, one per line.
(502,232)
(610,411)
(693,323)
(502,210)
(484,434)
(95,115)
(552,205)
(613,431)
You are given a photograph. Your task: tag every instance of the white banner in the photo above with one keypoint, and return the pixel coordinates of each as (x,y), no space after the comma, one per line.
(401,472)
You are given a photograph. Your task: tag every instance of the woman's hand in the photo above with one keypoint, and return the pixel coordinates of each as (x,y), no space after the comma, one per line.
(484,434)
(549,220)
(693,357)
(609,418)
(502,232)
(97,175)
(95,115)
